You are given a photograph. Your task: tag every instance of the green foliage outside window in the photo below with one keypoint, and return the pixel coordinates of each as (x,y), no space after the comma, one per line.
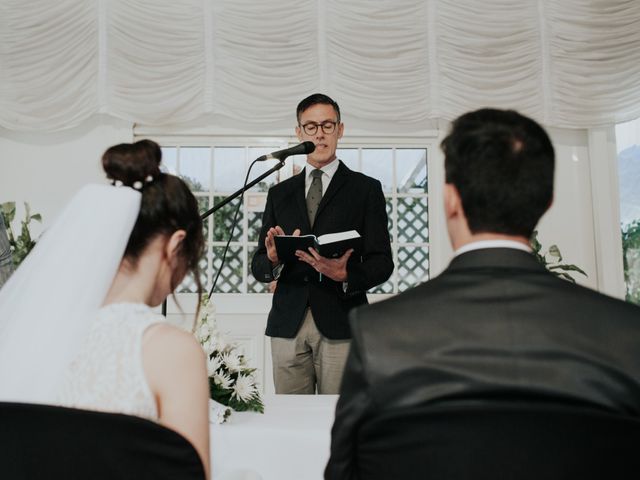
(631,260)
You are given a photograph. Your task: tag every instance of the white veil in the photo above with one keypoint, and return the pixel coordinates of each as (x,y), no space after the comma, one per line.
(47,305)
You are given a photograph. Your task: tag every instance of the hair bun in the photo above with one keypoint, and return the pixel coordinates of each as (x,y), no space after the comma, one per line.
(132,164)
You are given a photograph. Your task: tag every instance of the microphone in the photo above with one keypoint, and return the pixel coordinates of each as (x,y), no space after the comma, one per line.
(303,148)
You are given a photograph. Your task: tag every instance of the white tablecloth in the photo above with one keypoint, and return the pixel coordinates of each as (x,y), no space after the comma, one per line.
(289,441)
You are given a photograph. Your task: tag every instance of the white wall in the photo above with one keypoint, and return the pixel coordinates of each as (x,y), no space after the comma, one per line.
(569,222)
(45,170)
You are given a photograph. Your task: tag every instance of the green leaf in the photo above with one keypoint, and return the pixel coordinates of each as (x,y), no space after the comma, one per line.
(571,268)
(553,266)
(554,251)
(8,212)
(23,243)
(566,276)
(535,244)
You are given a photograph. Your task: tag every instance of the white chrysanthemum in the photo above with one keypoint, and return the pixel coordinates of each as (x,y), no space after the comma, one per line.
(213,364)
(232,360)
(222,379)
(245,388)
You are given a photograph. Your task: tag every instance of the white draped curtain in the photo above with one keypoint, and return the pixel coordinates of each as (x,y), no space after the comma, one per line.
(568,63)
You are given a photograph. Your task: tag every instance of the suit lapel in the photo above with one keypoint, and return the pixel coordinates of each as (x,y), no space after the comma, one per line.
(300,200)
(338,180)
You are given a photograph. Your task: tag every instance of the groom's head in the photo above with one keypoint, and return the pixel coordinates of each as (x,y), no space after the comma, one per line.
(499,173)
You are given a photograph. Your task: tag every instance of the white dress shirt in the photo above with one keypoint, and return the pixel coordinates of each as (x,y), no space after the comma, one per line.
(491,244)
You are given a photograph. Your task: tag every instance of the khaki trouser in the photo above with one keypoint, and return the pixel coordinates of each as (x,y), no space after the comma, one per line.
(308,360)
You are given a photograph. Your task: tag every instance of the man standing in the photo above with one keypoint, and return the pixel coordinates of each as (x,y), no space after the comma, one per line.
(495,323)
(6,262)
(308,322)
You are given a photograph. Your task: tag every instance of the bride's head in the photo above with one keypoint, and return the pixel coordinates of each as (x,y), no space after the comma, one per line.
(167,240)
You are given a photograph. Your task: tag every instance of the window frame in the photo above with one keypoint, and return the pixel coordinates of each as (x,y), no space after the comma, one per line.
(439,250)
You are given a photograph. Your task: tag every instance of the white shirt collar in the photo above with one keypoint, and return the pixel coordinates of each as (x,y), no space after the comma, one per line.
(491,244)
(328,171)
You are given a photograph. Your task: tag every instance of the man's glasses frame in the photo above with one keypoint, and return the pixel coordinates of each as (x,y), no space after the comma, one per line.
(311,128)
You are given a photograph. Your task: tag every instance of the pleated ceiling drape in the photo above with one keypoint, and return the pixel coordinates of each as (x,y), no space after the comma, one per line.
(568,63)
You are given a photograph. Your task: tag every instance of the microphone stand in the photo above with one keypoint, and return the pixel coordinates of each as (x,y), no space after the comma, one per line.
(236,194)
(228,199)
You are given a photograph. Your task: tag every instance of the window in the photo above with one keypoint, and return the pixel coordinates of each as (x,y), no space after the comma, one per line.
(216,170)
(628,148)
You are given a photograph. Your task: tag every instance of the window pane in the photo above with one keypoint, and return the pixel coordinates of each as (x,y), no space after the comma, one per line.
(223,221)
(195,167)
(203,206)
(254,225)
(386,287)
(628,146)
(413,266)
(254,204)
(254,286)
(170,159)
(349,157)
(390,217)
(229,169)
(377,163)
(412,220)
(230,280)
(411,170)
(188,285)
(261,167)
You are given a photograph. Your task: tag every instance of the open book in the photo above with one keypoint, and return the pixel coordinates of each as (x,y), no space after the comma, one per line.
(330,245)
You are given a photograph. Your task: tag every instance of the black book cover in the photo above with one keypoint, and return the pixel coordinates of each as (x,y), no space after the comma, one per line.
(332,245)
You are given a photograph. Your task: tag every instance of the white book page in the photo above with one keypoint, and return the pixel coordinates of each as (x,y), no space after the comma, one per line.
(337,237)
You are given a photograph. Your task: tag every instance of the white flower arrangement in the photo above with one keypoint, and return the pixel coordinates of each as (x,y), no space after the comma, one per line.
(231,381)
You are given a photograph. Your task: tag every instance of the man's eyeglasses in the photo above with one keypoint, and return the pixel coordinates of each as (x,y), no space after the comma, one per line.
(311,128)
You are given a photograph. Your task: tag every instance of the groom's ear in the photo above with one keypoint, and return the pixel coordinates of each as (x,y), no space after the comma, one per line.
(173,245)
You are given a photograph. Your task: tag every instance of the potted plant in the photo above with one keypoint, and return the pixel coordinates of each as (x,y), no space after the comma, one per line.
(554,263)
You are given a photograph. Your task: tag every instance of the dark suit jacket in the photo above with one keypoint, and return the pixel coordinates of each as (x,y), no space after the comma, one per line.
(352,201)
(494,324)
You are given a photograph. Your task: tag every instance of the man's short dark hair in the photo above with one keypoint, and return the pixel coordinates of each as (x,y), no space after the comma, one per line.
(502,164)
(317,98)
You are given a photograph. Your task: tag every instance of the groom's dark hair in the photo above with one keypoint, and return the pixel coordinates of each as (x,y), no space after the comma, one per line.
(502,165)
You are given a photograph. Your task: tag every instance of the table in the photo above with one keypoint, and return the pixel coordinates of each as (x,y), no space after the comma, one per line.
(289,441)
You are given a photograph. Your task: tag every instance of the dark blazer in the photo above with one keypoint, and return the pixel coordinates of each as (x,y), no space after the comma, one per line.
(352,201)
(494,324)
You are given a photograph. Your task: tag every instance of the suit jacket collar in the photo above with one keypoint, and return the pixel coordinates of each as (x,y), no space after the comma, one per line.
(338,180)
(496,258)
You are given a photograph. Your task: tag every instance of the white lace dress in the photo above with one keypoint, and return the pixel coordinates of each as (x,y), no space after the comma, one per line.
(107,375)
